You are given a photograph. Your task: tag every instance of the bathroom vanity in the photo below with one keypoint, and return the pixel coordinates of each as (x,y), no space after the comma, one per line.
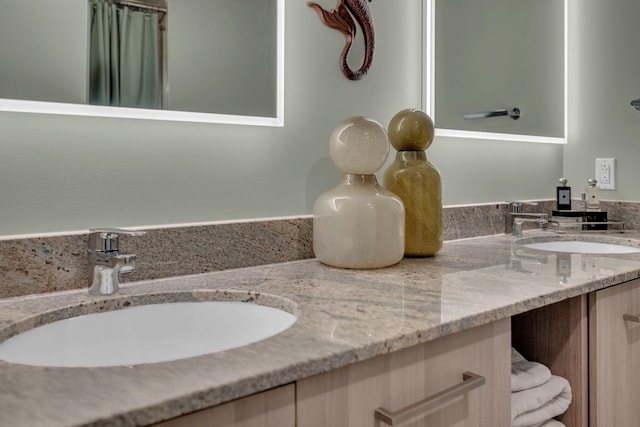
(351,395)
(364,341)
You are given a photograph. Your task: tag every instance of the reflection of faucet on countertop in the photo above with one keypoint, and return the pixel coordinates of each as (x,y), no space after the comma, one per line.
(106,262)
(515,218)
(519,255)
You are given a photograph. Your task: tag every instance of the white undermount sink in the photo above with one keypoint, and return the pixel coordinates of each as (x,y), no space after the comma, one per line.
(146,334)
(580,247)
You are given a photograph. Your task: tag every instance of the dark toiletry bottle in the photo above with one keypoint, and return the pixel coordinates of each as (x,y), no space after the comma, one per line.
(563,196)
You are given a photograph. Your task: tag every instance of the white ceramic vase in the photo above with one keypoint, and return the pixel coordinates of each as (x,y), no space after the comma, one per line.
(358,224)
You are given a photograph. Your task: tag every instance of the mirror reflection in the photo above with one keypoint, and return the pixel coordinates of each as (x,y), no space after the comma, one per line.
(218,57)
(127,53)
(497,60)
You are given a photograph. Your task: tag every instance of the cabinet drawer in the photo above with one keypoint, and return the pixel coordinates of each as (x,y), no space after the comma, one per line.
(272,408)
(350,396)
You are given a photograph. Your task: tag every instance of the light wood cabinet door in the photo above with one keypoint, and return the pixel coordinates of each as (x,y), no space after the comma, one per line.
(349,396)
(614,350)
(272,408)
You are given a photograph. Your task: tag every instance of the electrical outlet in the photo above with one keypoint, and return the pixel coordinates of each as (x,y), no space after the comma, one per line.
(606,173)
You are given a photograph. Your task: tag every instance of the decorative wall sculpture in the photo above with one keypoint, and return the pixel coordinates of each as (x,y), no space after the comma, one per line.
(341,18)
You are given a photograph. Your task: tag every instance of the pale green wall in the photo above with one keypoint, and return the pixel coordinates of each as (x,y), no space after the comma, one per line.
(71,173)
(604,78)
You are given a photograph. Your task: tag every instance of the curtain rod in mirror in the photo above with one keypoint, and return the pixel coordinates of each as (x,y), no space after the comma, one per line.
(137,4)
(142,5)
(61,108)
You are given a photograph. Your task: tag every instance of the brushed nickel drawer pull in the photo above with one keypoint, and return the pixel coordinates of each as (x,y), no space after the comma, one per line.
(470,382)
(632,318)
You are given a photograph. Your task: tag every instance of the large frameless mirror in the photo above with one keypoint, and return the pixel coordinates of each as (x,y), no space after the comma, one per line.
(218,61)
(496,69)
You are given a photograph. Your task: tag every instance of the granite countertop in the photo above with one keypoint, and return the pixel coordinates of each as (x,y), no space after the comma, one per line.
(343,316)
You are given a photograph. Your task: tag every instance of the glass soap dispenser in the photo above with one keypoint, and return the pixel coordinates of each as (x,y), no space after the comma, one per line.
(358,224)
(592,193)
(416,181)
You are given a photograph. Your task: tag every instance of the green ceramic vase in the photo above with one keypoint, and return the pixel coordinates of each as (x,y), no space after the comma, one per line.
(416,181)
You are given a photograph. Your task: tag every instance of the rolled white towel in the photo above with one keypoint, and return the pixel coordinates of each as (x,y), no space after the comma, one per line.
(550,423)
(540,404)
(526,374)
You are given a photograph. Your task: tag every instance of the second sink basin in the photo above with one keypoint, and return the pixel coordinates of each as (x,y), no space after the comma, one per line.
(146,334)
(580,247)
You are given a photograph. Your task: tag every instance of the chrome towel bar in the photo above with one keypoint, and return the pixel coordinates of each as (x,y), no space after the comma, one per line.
(514,114)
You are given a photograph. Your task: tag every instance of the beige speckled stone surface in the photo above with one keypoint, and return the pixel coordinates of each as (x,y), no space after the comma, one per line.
(343,316)
(48,264)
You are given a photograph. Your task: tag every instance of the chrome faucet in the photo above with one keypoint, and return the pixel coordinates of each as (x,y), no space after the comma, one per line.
(106,263)
(515,218)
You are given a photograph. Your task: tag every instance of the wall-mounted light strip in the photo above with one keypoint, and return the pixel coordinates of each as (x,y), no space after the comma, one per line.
(494,136)
(428,81)
(15,105)
(19,106)
(280,65)
(566,71)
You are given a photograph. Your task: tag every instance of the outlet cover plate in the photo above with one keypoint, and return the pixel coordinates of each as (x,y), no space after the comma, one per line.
(606,173)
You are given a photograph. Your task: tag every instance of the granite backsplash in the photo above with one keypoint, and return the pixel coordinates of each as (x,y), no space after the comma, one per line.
(47,264)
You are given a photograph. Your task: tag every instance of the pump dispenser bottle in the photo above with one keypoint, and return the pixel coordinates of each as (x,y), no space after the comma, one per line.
(592,199)
(563,196)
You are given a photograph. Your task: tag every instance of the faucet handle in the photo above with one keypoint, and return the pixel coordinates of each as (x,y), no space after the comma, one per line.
(516,206)
(106,239)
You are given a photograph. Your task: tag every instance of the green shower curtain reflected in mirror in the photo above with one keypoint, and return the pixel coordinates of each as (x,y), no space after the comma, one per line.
(125,56)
